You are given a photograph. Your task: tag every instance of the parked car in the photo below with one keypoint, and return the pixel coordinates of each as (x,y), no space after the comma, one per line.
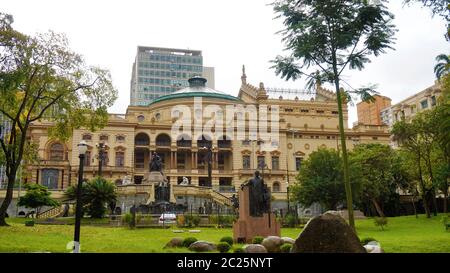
(168,218)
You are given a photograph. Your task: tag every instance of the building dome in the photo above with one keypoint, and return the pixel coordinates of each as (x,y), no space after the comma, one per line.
(197,88)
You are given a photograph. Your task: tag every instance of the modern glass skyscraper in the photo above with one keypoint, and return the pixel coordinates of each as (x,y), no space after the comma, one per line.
(161,71)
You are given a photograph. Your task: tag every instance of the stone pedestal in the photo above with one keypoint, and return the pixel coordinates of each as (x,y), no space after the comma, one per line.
(247,227)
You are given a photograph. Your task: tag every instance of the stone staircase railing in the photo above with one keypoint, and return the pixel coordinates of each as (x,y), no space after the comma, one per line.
(50,213)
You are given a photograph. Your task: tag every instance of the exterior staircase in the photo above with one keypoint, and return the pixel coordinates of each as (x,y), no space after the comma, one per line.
(50,213)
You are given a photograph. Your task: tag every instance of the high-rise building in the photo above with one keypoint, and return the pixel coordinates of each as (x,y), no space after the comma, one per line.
(369,112)
(160,71)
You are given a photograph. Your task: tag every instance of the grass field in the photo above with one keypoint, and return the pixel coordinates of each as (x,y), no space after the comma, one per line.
(403,234)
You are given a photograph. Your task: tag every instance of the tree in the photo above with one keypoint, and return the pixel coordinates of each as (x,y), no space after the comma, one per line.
(378,173)
(438,7)
(442,67)
(320,180)
(36,197)
(42,79)
(406,134)
(331,36)
(96,194)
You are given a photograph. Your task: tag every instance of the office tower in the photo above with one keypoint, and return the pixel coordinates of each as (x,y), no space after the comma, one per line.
(161,71)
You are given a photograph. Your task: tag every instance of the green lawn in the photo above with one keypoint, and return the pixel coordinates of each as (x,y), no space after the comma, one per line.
(403,234)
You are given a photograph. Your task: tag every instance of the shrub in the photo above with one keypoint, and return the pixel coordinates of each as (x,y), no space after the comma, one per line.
(445,220)
(181,220)
(223,247)
(286,248)
(227,239)
(257,239)
(380,222)
(188,241)
(192,220)
(29,223)
(366,240)
(128,219)
(291,220)
(238,250)
(224,220)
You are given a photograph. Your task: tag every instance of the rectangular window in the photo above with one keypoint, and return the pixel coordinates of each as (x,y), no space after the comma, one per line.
(87,158)
(120,159)
(424,104)
(261,162)
(275,163)
(433,100)
(246,162)
(298,163)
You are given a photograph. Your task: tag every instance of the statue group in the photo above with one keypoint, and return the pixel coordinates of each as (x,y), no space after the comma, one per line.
(259,196)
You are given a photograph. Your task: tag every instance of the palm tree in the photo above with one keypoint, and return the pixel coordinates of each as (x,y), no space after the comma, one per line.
(443,65)
(96,194)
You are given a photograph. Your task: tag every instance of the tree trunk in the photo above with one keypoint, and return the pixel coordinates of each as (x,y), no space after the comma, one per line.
(423,190)
(445,201)
(8,198)
(433,189)
(413,201)
(348,189)
(377,207)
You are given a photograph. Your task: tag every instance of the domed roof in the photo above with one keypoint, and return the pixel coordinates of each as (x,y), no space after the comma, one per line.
(197,88)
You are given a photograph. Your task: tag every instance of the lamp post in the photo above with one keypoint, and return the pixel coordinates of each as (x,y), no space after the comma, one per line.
(82,148)
(101,156)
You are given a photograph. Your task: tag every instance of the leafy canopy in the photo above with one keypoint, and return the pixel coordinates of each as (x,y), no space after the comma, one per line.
(96,194)
(330,36)
(36,197)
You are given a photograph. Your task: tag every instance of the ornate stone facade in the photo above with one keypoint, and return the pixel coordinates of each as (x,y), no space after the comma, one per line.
(304,126)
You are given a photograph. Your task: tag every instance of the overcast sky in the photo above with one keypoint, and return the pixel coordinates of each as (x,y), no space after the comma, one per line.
(229,32)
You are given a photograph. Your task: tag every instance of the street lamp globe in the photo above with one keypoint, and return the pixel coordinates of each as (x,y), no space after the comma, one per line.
(82,147)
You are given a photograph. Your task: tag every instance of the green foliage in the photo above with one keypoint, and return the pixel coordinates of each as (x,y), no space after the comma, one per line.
(358,30)
(366,240)
(188,241)
(446,221)
(29,223)
(36,197)
(238,249)
(96,194)
(380,222)
(320,180)
(377,172)
(290,220)
(192,220)
(224,220)
(286,248)
(127,218)
(42,79)
(223,247)
(257,239)
(228,240)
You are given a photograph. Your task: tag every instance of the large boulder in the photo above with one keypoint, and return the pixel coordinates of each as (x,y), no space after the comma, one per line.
(254,248)
(327,233)
(202,246)
(272,244)
(175,242)
(288,240)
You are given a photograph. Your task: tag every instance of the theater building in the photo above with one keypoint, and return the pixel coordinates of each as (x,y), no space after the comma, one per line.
(304,125)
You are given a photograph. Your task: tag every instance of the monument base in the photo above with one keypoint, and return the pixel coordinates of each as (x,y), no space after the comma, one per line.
(245,229)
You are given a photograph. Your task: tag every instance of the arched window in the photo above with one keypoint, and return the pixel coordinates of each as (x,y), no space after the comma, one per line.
(276,187)
(142,139)
(184,141)
(163,140)
(56,152)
